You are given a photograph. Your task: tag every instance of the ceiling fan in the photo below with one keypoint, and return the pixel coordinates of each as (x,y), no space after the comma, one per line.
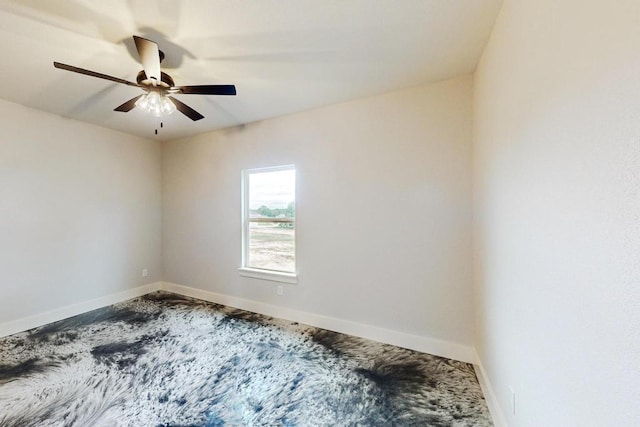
(158,86)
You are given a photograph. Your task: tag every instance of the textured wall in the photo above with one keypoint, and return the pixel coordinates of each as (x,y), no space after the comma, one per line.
(79,211)
(383,209)
(557,213)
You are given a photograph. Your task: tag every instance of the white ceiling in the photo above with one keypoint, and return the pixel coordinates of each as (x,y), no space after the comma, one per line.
(283,55)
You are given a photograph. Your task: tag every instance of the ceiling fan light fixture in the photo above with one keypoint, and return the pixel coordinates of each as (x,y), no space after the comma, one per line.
(168,107)
(144,102)
(155,104)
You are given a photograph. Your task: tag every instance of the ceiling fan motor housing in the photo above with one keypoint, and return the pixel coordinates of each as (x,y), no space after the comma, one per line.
(165,80)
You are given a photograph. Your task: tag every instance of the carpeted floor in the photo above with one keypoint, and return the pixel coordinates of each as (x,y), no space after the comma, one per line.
(167,360)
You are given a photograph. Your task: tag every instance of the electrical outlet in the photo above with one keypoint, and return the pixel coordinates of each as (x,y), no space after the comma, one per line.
(280,290)
(145,272)
(513,400)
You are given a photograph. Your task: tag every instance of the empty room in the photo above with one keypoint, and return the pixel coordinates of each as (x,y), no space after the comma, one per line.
(320,213)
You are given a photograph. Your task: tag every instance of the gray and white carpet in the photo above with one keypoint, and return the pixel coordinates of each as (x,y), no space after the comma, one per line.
(167,360)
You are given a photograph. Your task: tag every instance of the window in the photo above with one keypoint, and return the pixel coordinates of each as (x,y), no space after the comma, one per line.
(268,216)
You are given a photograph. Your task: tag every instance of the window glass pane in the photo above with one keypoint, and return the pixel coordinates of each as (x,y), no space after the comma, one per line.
(272,194)
(272,246)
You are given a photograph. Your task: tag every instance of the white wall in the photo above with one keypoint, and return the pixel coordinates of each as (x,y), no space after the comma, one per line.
(79,212)
(383,210)
(557,213)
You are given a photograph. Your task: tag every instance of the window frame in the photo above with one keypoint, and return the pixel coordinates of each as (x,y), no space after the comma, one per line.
(263,273)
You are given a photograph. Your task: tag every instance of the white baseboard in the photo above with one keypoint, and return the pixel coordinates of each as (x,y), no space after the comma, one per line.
(26,323)
(487,389)
(414,342)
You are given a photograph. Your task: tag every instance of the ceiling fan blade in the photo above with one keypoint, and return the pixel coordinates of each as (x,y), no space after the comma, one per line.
(93,74)
(186,110)
(149,56)
(129,105)
(205,90)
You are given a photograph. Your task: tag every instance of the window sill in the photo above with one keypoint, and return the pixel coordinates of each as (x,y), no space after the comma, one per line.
(274,276)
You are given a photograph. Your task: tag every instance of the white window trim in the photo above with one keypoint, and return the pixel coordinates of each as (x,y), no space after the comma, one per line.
(245,270)
(273,276)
